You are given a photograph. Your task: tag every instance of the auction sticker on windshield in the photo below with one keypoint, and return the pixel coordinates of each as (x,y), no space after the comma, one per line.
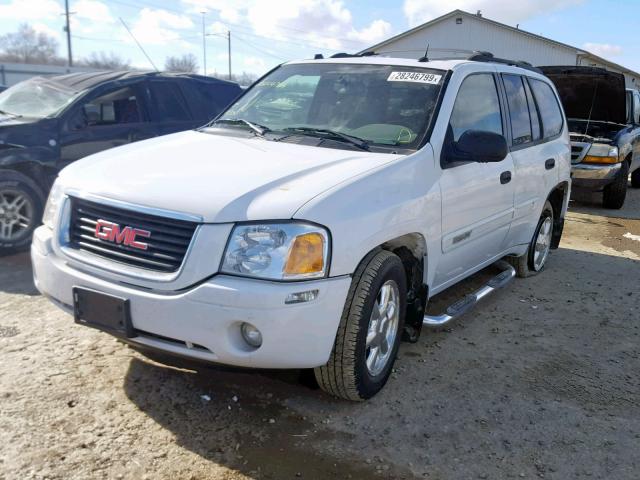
(417,77)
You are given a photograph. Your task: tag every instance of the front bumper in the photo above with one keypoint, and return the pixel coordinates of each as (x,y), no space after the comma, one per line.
(593,177)
(203,322)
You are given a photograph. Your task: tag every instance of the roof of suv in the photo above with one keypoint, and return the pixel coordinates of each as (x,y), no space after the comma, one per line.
(84,80)
(448,64)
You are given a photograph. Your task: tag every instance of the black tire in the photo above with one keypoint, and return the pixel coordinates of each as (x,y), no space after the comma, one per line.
(635,178)
(346,374)
(12,184)
(616,192)
(524,264)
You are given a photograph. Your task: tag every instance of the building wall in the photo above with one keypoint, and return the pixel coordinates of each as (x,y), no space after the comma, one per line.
(449,39)
(12,73)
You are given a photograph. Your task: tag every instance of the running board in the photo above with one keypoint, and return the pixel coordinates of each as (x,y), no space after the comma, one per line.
(469,301)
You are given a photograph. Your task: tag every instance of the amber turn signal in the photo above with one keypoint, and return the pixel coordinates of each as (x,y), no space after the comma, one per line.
(606,160)
(306,255)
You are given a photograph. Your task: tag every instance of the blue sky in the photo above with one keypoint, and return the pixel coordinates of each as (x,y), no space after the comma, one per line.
(267,32)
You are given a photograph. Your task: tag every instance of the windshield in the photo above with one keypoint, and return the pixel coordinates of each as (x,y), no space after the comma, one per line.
(36,97)
(380,104)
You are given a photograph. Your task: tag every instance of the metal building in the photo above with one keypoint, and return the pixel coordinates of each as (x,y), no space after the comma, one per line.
(459,33)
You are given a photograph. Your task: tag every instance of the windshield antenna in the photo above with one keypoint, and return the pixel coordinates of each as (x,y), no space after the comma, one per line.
(425,58)
(138,43)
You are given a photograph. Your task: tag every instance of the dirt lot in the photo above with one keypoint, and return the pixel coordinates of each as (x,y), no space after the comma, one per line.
(540,381)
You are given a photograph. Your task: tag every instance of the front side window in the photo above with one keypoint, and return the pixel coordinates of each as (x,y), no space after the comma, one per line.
(518,109)
(113,108)
(549,108)
(383,105)
(476,107)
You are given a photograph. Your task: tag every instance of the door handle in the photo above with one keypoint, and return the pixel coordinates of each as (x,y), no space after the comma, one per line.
(550,163)
(505,177)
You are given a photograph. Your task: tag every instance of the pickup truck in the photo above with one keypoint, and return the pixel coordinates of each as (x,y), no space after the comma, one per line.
(309,224)
(47,123)
(604,125)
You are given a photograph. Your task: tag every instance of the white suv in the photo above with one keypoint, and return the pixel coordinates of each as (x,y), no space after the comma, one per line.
(309,224)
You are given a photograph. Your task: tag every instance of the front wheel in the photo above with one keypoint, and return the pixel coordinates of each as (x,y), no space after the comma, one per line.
(21,205)
(368,336)
(615,193)
(534,260)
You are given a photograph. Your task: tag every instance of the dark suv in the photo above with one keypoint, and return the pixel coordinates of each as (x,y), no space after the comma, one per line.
(47,123)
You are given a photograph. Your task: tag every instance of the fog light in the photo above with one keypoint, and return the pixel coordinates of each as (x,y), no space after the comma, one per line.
(301,297)
(251,335)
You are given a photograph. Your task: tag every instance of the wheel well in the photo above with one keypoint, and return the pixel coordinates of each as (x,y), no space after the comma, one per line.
(412,250)
(41,176)
(557,198)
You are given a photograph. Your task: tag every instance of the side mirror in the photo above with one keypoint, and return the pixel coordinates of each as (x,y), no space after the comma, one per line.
(479,146)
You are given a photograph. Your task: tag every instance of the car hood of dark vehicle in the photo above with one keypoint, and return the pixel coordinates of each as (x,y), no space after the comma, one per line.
(590,93)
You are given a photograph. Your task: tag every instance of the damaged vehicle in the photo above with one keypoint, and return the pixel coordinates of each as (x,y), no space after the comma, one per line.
(604,125)
(48,123)
(309,224)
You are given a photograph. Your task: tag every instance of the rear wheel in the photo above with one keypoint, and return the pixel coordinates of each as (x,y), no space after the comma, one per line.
(21,204)
(369,333)
(534,260)
(616,192)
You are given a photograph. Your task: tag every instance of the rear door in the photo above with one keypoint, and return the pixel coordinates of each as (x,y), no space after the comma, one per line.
(536,120)
(477,198)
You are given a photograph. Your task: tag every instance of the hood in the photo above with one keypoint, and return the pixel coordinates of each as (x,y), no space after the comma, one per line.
(220,178)
(34,138)
(590,93)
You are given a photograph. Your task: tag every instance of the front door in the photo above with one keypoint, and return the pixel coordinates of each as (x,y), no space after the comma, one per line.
(477,198)
(113,118)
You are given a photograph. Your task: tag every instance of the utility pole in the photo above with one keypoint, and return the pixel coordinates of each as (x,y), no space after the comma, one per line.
(67,29)
(204,46)
(229,50)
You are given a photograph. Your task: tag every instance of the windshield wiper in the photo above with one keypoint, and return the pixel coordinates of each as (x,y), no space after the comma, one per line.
(330,134)
(259,130)
(14,115)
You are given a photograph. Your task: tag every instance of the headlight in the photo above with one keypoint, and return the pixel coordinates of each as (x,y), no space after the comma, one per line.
(602,153)
(287,251)
(53,205)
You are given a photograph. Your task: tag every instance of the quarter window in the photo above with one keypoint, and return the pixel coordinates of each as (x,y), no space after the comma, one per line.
(477,107)
(548,106)
(518,109)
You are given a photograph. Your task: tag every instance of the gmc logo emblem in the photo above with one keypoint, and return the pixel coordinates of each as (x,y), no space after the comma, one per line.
(112,232)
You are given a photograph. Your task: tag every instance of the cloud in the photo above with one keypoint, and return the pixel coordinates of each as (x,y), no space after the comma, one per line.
(603,49)
(324,23)
(92,10)
(157,26)
(255,63)
(31,10)
(508,11)
(43,28)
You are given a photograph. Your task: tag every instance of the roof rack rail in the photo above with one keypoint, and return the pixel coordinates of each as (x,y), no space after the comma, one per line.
(352,55)
(482,56)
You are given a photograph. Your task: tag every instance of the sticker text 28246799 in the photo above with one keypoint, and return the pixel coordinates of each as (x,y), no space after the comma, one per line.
(417,77)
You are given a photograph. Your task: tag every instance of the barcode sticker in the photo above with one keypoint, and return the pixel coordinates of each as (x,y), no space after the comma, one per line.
(417,77)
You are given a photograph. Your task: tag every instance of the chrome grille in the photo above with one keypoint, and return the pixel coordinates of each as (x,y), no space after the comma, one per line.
(166,246)
(578,151)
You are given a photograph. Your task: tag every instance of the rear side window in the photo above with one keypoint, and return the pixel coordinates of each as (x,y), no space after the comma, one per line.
(169,102)
(548,106)
(477,107)
(518,109)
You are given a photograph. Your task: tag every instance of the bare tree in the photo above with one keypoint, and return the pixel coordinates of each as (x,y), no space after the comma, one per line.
(28,46)
(107,61)
(244,78)
(185,64)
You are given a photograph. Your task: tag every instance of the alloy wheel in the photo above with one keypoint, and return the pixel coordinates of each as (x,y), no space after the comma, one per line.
(16,214)
(383,328)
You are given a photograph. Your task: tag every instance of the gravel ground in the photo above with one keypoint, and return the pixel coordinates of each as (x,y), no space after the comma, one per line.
(540,381)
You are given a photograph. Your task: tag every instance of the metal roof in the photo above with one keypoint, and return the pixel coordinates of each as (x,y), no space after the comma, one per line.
(579,51)
(84,80)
